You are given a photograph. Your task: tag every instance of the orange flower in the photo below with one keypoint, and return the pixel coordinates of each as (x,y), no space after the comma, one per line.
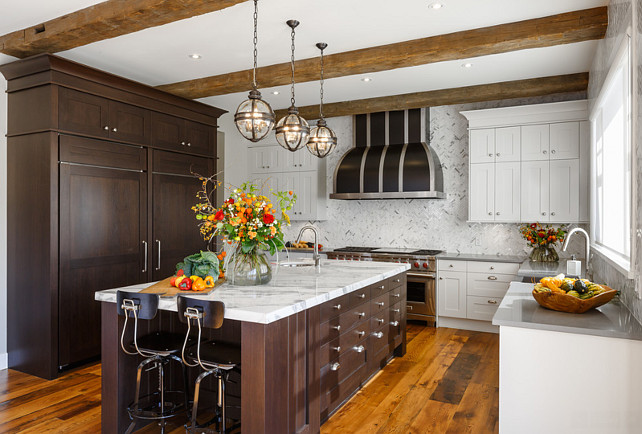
(272,230)
(252,234)
(243,220)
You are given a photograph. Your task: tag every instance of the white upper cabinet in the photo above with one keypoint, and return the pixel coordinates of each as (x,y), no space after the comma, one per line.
(535,142)
(565,140)
(482,146)
(535,191)
(507,192)
(564,191)
(507,144)
(482,192)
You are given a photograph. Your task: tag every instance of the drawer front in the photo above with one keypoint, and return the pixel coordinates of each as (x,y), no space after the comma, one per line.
(335,307)
(380,304)
(493,267)
(181,164)
(398,280)
(448,265)
(379,288)
(82,150)
(379,319)
(488,284)
(379,338)
(333,398)
(353,339)
(355,316)
(396,295)
(482,308)
(330,329)
(335,372)
(359,296)
(395,312)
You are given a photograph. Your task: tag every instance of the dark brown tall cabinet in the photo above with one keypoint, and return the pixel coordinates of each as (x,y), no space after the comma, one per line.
(100,186)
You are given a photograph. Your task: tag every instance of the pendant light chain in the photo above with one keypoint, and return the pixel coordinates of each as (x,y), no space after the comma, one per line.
(292,66)
(321,92)
(256,40)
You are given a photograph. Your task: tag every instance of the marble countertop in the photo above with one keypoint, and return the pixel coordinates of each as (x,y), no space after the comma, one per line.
(291,290)
(544,269)
(453,256)
(519,309)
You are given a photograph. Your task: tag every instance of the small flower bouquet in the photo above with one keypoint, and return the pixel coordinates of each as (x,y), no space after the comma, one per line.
(543,239)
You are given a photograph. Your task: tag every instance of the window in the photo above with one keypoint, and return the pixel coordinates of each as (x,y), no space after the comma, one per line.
(611,163)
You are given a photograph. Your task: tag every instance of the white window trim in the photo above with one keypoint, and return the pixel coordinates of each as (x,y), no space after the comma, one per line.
(623,265)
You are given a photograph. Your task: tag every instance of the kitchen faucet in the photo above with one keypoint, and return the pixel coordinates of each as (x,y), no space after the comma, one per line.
(588,246)
(317,258)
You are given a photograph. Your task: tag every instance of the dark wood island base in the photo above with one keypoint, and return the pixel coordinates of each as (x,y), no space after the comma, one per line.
(296,371)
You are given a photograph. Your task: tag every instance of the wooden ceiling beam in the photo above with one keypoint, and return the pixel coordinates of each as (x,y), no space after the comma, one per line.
(103,21)
(460,95)
(553,30)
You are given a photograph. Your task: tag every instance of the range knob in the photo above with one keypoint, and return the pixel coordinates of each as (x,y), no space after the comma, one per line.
(425,265)
(416,265)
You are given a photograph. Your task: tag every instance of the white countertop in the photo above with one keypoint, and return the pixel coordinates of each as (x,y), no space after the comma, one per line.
(291,290)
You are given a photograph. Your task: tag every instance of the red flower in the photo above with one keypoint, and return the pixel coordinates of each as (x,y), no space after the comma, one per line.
(533,225)
(268,218)
(219,215)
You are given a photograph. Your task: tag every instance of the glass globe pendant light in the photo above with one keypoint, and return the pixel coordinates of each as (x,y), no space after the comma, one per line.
(322,139)
(254,118)
(292,131)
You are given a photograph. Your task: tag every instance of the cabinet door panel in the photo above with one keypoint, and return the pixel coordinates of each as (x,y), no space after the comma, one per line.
(535,142)
(482,192)
(200,139)
(182,164)
(535,191)
(81,112)
(482,146)
(102,226)
(129,123)
(168,131)
(306,195)
(174,224)
(565,140)
(507,192)
(507,144)
(451,294)
(304,160)
(564,190)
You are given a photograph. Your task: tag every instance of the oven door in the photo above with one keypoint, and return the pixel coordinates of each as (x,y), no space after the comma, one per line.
(421,300)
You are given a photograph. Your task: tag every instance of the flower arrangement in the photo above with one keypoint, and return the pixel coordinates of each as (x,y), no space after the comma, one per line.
(542,235)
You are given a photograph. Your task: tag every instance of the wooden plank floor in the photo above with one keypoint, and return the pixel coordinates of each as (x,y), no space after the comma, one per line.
(446,383)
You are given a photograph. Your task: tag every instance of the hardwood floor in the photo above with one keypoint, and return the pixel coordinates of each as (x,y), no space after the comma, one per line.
(446,383)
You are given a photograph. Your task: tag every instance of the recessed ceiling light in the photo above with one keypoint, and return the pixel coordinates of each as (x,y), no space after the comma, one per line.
(366,79)
(194,56)
(276,92)
(467,65)
(436,5)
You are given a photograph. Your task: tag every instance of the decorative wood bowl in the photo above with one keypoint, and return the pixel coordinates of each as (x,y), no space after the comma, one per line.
(570,304)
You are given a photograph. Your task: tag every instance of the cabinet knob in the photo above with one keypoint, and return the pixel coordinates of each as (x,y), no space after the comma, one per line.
(361,333)
(552,151)
(337,328)
(378,335)
(490,213)
(408,307)
(543,213)
(492,277)
(337,349)
(497,213)
(189,144)
(115,130)
(380,320)
(492,268)
(106,128)
(361,314)
(396,310)
(552,213)
(382,287)
(337,306)
(381,304)
(498,154)
(441,278)
(335,367)
(359,349)
(544,152)
(492,301)
(361,296)
(394,323)
(451,265)
(397,280)
(490,155)
(183,143)
(396,295)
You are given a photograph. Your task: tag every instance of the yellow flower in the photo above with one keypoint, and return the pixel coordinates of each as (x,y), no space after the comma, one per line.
(285,217)
(272,230)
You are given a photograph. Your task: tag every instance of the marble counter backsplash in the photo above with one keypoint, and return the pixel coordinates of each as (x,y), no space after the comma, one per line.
(435,224)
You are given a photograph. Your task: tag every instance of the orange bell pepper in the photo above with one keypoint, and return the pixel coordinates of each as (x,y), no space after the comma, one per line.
(198,285)
(209,282)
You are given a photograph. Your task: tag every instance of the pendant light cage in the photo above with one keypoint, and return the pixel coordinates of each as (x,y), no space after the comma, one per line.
(322,139)
(254,118)
(292,131)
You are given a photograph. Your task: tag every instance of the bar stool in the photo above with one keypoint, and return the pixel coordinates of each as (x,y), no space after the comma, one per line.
(215,358)
(158,348)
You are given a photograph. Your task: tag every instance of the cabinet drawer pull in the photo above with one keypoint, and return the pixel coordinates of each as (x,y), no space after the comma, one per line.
(492,301)
(497,213)
(490,155)
(359,349)
(490,213)
(337,306)
(361,314)
(337,349)
(396,295)
(441,278)
(380,320)
(552,151)
(189,144)
(498,154)
(382,287)
(361,333)
(544,152)
(492,268)
(361,296)
(335,366)
(378,335)
(337,328)
(183,143)
(543,213)
(106,128)
(115,130)
(408,307)
(381,304)
(397,280)
(394,323)
(145,263)
(396,310)
(553,213)
(492,277)
(451,265)
(158,266)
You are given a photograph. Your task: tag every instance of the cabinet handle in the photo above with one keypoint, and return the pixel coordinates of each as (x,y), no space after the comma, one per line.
(498,154)
(492,277)
(380,321)
(361,333)
(544,152)
(381,304)
(492,301)
(396,295)
(543,213)
(378,335)
(497,213)
(382,287)
(115,130)
(408,307)
(394,323)
(189,144)
(361,296)
(552,151)
(397,280)
(492,268)
(396,310)
(552,213)
(337,349)
(490,155)
(441,278)
(106,128)
(335,366)
(359,349)
(158,266)
(361,314)
(337,306)
(490,213)
(337,328)
(450,265)
(145,263)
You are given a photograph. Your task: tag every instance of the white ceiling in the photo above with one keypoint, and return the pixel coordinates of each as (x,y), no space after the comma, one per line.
(224,38)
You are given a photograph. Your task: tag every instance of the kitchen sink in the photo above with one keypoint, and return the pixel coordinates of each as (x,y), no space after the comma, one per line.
(296,264)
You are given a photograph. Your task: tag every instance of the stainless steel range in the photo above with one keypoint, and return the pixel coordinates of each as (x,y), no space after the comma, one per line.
(421,276)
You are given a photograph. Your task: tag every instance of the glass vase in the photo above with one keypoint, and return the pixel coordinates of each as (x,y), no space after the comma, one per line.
(248,269)
(544,254)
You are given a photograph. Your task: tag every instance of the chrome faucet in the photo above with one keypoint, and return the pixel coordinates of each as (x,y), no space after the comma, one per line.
(317,258)
(588,246)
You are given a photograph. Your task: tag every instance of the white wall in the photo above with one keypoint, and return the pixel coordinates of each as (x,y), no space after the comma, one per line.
(3,224)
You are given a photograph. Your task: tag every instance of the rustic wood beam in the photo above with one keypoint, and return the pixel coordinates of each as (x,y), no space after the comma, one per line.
(460,95)
(103,21)
(559,29)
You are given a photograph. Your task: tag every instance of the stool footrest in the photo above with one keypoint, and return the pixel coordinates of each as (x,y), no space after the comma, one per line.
(149,406)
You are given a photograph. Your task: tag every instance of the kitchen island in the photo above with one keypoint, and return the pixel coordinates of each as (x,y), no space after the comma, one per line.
(309,339)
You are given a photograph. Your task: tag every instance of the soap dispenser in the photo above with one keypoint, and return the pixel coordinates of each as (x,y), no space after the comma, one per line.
(573,267)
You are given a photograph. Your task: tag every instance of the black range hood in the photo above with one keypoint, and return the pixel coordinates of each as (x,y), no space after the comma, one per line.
(390,160)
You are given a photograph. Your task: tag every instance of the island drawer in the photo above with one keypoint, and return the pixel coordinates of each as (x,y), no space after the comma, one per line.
(331,398)
(396,295)
(379,288)
(334,307)
(395,312)
(482,308)
(359,296)
(379,338)
(380,303)
(493,267)
(488,284)
(352,339)
(398,280)
(379,319)
(338,370)
(448,265)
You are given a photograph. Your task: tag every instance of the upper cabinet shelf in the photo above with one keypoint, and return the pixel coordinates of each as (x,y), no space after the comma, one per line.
(529,163)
